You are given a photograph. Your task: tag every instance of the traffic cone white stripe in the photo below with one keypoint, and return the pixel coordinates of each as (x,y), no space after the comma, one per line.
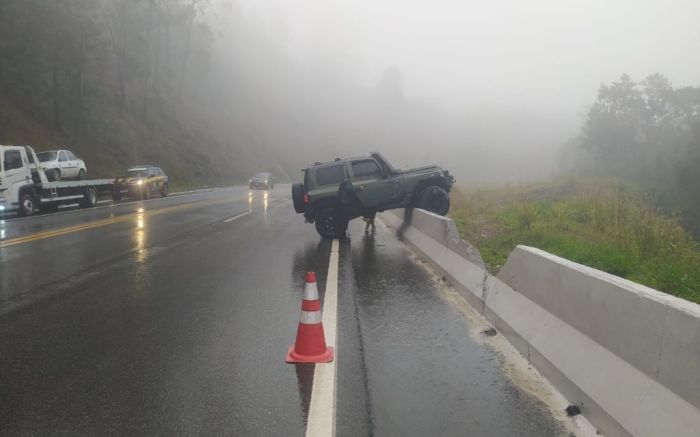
(310,317)
(310,291)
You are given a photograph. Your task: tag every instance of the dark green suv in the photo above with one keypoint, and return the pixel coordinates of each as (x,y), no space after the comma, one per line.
(334,193)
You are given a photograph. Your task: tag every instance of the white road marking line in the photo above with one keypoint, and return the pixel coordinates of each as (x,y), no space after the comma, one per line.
(321,420)
(228,220)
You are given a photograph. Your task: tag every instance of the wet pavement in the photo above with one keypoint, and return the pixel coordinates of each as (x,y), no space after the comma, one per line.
(424,374)
(173,317)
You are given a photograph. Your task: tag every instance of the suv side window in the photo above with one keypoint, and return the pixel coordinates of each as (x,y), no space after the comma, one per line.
(366,169)
(13,160)
(333,174)
(62,157)
(71,157)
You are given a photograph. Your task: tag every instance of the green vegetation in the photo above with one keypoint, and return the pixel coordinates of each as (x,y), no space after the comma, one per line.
(646,133)
(602,224)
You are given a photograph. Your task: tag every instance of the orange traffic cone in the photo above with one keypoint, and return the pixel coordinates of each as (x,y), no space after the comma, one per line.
(310,346)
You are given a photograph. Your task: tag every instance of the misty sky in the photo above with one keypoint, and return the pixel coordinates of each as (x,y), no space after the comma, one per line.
(501,84)
(546,55)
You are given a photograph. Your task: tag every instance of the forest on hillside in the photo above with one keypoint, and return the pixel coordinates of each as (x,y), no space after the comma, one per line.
(211,93)
(646,133)
(110,79)
(170,83)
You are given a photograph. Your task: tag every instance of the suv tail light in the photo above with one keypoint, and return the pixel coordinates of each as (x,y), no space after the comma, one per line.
(306,198)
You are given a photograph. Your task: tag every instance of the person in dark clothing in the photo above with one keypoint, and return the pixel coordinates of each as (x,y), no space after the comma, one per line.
(369,222)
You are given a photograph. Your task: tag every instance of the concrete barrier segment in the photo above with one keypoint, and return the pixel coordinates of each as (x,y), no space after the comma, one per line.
(628,356)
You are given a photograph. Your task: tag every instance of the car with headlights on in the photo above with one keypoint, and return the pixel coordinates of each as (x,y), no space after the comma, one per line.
(141,182)
(264,181)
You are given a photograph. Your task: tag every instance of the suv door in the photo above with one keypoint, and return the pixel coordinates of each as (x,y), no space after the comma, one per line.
(15,168)
(376,189)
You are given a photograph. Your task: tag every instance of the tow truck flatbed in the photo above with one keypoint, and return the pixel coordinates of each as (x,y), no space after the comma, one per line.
(24,185)
(75,184)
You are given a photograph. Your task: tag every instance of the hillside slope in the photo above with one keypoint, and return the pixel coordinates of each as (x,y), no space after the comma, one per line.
(191,152)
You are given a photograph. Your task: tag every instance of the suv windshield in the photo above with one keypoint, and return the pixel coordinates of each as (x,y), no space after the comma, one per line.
(46,156)
(136,173)
(262,176)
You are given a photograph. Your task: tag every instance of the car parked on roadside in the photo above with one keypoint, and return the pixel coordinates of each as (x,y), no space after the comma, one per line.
(265,181)
(141,182)
(334,193)
(62,164)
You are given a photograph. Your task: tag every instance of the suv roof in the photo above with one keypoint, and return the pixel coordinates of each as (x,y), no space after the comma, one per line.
(337,160)
(141,167)
(373,155)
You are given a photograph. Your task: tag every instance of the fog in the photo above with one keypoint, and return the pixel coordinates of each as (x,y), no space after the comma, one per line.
(490,90)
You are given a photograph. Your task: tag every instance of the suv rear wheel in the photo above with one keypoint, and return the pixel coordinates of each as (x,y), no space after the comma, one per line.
(329,223)
(434,199)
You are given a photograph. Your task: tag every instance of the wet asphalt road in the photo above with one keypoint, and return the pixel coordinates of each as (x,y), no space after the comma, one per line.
(173,316)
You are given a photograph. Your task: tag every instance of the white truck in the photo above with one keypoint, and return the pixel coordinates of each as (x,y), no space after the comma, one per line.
(25,188)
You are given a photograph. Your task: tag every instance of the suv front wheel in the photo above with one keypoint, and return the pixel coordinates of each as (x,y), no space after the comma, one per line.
(329,223)
(434,199)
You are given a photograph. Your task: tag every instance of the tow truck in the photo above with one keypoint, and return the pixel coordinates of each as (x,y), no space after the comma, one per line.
(25,188)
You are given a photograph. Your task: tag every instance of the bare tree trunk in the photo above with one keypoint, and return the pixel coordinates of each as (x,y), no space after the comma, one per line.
(156,67)
(81,73)
(148,61)
(121,54)
(167,34)
(186,56)
(55,95)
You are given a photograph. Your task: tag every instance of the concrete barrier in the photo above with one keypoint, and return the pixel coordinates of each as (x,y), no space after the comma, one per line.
(627,355)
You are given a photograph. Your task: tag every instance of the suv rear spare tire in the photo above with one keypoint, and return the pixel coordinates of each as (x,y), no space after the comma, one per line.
(434,199)
(298,197)
(330,224)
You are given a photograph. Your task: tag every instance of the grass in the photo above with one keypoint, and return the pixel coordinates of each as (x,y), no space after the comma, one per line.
(601,224)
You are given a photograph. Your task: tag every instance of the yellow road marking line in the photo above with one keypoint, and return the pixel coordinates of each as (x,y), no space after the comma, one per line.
(104,222)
